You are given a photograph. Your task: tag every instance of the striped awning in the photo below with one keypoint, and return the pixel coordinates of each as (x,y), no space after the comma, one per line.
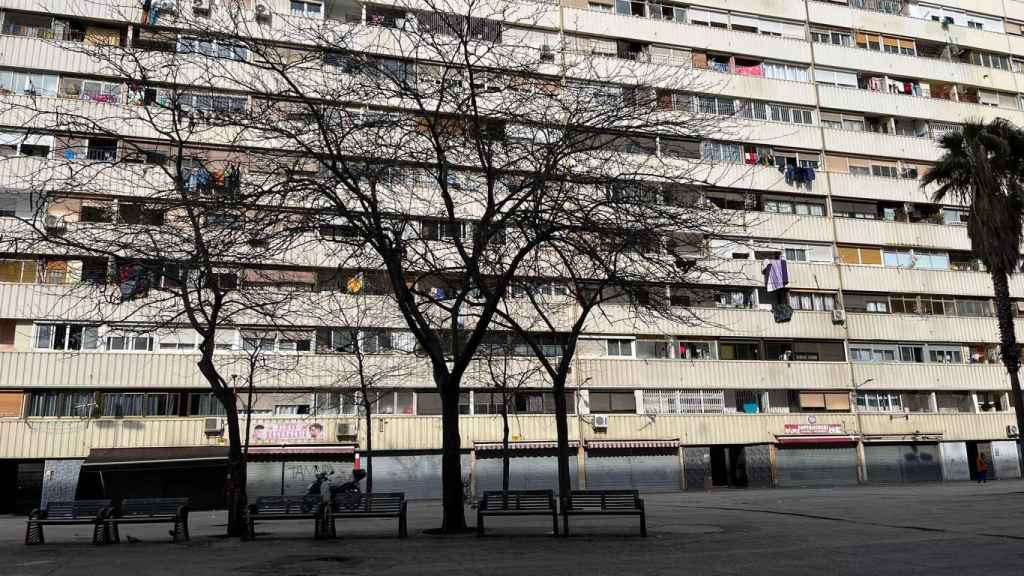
(304,451)
(824,439)
(628,444)
(540,445)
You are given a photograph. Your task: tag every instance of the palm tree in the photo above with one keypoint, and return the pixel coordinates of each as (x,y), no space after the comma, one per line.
(982,167)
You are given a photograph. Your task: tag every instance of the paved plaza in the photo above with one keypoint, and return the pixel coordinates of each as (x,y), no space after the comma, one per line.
(959,529)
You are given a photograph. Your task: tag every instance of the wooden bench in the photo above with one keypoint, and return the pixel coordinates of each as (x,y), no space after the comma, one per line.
(70,513)
(273,508)
(516,503)
(151,511)
(604,503)
(361,505)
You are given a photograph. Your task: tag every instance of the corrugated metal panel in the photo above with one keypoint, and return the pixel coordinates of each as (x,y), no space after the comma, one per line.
(954,461)
(922,328)
(892,376)
(1005,461)
(952,426)
(719,322)
(816,466)
(534,472)
(758,465)
(645,472)
(722,374)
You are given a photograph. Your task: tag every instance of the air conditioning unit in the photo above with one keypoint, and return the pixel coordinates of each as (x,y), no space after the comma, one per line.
(262,10)
(344,431)
(201,5)
(838,316)
(165,5)
(214,427)
(1012,431)
(54,223)
(599,421)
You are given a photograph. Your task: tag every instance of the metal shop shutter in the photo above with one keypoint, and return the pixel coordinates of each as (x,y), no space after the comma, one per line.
(697,465)
(263,479)
(903,463)
(816,465)
(644,472)
(418,476)
(524,473)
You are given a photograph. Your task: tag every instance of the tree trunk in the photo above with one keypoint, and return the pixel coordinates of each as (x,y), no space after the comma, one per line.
(562,429)
(1009,348)
(369,450)
(236,496)
(504,444)
(453,511)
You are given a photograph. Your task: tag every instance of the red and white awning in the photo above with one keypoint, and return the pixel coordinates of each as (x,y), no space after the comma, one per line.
(298,449)
(539,445)
(823,439)
(628,444)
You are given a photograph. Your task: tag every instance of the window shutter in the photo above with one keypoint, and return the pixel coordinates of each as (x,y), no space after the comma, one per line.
(812,400)
(839,401)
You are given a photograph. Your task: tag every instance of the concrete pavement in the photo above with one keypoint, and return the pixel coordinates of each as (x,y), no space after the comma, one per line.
(928,529)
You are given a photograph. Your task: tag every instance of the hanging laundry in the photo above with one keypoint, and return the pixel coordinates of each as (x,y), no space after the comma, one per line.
(782,312)
(355,284)
(437,293)
(776,274)
(133,281)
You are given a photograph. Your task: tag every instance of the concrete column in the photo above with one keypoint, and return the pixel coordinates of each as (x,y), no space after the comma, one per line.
(581,466)
(862,472)
(682,470)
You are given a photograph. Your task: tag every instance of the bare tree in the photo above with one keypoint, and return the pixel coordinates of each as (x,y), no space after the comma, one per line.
(454,147)
(508,373)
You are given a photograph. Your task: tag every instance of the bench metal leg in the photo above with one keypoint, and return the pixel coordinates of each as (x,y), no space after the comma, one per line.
(34,534)
(643,524)
(479,523)
(403,527)
(180,531)
(565,524)
(554,522)
(100,534)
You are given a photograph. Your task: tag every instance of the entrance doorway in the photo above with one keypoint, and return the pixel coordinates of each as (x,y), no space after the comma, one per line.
(728,466)
(973,449)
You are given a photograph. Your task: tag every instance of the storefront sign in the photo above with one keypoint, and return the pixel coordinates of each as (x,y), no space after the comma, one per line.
(813,428)
(288,431)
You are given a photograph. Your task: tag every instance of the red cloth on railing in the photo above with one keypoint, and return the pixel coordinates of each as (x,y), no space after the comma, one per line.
(757,70)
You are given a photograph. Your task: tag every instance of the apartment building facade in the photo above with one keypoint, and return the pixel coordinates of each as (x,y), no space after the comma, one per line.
(888,370)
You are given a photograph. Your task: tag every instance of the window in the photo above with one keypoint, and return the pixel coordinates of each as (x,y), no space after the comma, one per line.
(66,337)
(858,255)
(130,343)
(124,404)
(335,403)
(721,151)
(824,401)
(938,306)
(22,271)
(683,401)
(945,355)
(872,353)
(612,402)
(871,303)
(812,301)
(444,230)
(879,402)
(620,347)
(653,349)
(739,350)
(911,353)
(785,72)
(314,9)
(990,402)
(696,350)
(75,404)
(978,308)
(212,48)
(204,404)
(27,83)
(882,171)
